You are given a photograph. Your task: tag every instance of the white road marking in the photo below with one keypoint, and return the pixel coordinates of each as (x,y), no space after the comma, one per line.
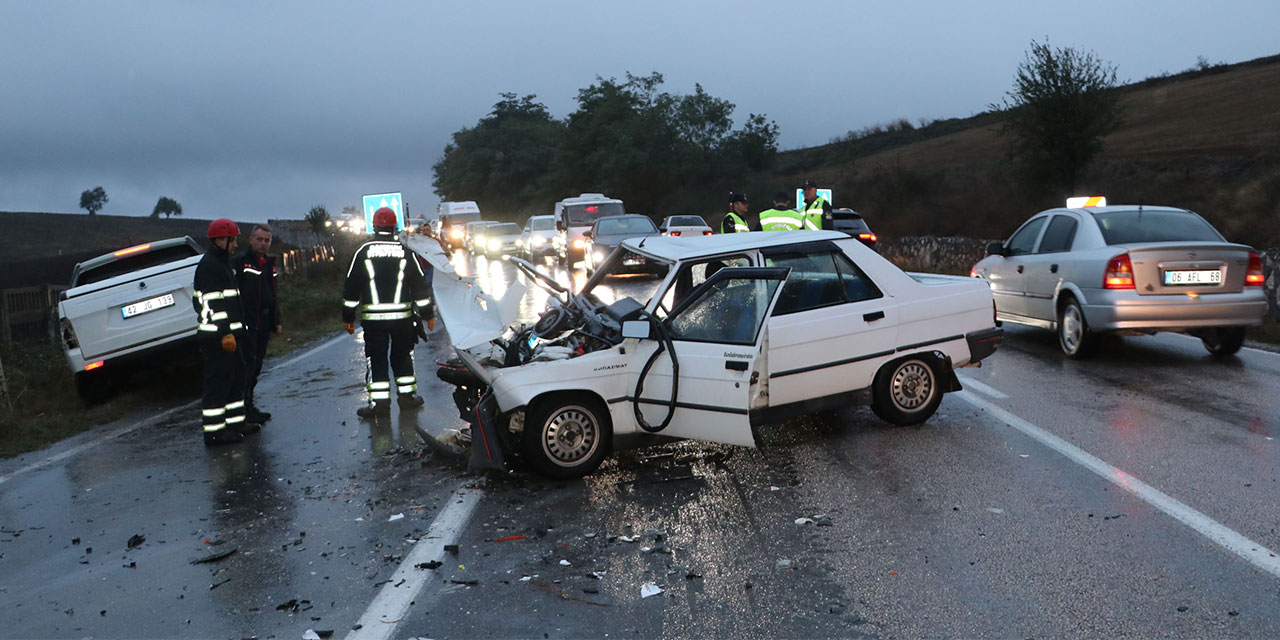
(98,440)
(145,422)
(391,604)
(1216,532)
(985,390)
(308,353)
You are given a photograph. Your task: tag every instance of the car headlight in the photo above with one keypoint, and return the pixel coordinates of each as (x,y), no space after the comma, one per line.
(494,244)
(456,234)
(537,241)
(597,257)
(579,243)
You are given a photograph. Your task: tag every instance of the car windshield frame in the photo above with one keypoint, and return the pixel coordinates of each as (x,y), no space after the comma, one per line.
(1154,225)
(628,222)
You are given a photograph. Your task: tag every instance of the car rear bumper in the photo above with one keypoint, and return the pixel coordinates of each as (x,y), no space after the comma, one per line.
(1111,310)
(983,343)
(138,352)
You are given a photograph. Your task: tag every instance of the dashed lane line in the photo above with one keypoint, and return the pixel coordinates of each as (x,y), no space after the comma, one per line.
(116,433)
(1218,533)
(392,603)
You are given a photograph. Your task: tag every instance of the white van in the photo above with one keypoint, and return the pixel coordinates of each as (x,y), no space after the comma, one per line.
(574,216)
(452,218)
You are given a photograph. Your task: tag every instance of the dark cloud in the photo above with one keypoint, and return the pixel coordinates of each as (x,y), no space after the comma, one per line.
(269,108)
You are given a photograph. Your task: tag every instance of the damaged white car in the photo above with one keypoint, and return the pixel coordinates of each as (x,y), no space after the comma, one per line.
(745,328)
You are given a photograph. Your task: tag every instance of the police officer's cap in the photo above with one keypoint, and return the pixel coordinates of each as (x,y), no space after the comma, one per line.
(781,196)
(734,196)
(809,184)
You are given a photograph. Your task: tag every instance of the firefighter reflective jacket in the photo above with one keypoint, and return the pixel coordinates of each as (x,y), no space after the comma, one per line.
(216,296)
(385,283)
(256,278)
(817,215)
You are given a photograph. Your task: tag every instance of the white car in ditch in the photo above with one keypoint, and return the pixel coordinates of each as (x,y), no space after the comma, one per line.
(745,328)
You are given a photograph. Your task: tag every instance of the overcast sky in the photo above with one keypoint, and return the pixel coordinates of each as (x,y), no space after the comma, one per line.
(261,109)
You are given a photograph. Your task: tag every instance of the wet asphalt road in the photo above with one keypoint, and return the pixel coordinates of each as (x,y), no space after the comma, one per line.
(965,526)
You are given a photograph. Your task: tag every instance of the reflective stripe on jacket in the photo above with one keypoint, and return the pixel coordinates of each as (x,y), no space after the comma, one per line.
(816,212)
(732,223)
(384,283)
(781,220)
(215,296)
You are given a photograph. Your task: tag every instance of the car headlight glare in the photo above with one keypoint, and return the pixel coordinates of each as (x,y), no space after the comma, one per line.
(494,244)
(537,241)
(579,243)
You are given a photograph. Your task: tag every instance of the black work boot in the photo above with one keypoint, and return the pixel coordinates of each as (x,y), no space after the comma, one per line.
(254,415)
(225,435)
(249,426)
(378,408)
(409,400)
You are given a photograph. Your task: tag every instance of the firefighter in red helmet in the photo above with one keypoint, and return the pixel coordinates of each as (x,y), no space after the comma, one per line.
(216,298)
(386,287)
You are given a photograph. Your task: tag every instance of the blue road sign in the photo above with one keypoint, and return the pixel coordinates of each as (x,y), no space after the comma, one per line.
(824,193)
(379,200)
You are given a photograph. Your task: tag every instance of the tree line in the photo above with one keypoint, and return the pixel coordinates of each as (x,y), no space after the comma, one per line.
(627,139)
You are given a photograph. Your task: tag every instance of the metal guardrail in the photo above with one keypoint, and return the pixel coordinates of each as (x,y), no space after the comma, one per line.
(28,306)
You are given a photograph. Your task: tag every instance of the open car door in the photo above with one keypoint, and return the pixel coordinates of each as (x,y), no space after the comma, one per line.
(713,343)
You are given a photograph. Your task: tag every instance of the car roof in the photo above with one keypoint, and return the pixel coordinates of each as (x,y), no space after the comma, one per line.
(681,247)
(624,215)
(1113,208)
(112,257)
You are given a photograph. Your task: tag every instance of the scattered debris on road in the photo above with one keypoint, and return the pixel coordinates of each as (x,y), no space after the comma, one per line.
(214,557)
(136,540)
(649,589)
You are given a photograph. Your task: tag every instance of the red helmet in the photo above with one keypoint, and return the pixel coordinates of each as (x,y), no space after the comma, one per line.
(384,217)
(223,228)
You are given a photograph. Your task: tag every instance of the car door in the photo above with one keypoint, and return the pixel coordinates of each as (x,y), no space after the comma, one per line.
(1041,273)
(832,327)
(1008,275)
(715,334)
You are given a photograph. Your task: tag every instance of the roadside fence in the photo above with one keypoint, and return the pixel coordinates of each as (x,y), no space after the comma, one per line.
(300,260)
(29,308)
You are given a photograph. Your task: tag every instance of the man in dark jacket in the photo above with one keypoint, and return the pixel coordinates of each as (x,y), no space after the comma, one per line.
(217,302)
(256,277)
(386,287)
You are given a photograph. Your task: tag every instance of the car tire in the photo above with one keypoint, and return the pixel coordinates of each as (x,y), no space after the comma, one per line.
(907,391)
(1074,337)
(566,435)
(1223,341)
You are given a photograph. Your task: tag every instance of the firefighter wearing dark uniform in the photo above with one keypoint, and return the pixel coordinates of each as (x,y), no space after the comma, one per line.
(738,220)
(256,277)
(386,287)
(817,211)
(220,320)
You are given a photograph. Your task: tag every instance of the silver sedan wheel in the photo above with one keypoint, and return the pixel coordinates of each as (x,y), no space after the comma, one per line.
(1072,328)
(913,386)
(570,435)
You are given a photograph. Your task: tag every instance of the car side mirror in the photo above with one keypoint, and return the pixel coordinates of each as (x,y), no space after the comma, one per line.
(586,234)
(996,249)
(637,329)
(559,225)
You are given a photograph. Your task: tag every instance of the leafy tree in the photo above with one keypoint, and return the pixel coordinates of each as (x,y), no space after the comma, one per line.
(351,210)
(756,144)
(92,200)
(168,206)
(1061,107)
(503,159)
(318,217)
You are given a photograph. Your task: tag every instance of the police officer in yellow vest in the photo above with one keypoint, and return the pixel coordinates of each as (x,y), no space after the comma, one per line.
(738,220)
(817,211)
(781,217)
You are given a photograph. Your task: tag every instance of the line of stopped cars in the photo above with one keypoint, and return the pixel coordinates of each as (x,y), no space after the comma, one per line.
(1088,269)
(741,329)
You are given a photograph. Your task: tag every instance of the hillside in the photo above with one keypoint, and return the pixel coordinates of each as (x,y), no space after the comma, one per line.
(1207,140)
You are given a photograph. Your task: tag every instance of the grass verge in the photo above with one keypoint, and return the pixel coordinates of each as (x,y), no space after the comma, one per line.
(46,407)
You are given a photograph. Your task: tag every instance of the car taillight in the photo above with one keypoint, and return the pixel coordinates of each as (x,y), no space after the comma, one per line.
(1119,273)
(867,237)
(94,365)
(973,271)
(675,233)
(706,233)
(1254,276)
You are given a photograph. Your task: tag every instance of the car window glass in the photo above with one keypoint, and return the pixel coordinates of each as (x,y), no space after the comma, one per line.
(693,274)
(543,224)
(1059,236)
(857,286)
(625,225)
(814,282)
(729,311)
(135,262)
(1024,240)
(1126,227)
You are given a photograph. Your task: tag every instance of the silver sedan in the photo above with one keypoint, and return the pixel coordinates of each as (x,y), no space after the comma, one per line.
(1125,269)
